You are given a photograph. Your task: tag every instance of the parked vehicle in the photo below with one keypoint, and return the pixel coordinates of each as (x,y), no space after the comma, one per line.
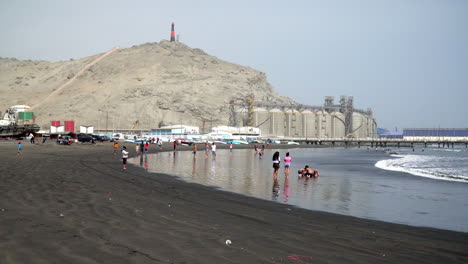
(96,137)
(85,138)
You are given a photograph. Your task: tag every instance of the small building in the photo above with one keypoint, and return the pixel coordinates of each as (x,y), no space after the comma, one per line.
(175,131)
(238,131)
(391,135)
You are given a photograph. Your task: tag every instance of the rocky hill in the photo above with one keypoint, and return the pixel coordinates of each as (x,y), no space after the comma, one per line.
(155,83)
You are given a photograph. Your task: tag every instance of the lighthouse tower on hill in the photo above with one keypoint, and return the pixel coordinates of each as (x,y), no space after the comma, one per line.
(172,33)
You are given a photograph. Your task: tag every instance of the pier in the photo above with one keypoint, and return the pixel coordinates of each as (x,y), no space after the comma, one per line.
(382,142)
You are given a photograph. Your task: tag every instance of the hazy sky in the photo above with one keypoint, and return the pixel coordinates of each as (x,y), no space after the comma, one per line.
(405,59)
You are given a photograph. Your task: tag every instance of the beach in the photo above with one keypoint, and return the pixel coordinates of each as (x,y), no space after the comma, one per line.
(75,204)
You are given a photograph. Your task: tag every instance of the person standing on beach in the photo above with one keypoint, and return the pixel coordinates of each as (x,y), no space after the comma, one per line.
(137,148)
(207,149)
(146,147)
(32,138)
(20,148)
(287,164)
(276,166)
(160,143)
(142,147)
(213,149)
(116,145)
(124,157)
(175,145)
(256,149)
(195,148)
(230,147)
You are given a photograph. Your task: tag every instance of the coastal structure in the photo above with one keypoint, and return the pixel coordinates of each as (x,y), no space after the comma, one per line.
(307,121)
(172,33)
(435,134)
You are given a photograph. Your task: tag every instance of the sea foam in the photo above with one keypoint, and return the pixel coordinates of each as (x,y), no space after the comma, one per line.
(434,167)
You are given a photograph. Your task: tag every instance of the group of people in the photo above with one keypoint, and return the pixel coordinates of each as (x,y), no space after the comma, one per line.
(303,172)
(307,172)
(260,152)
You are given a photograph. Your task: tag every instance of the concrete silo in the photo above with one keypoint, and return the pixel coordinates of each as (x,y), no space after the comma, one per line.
(323,124)
(338,125)
(293,123)
(277,122)
(359,125)
(309,124)
(262,120)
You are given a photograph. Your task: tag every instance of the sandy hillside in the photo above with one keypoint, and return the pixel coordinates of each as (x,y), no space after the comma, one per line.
(166,82)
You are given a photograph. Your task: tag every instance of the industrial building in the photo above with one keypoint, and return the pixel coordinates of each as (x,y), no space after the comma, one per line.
(303,121)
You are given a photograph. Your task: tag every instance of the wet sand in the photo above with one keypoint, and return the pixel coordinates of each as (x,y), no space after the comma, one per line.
(74,204)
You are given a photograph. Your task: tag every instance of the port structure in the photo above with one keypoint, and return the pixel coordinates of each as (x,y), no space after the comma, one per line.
(331,120)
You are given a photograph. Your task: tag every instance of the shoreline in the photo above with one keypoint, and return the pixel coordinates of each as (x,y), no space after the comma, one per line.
(74,204)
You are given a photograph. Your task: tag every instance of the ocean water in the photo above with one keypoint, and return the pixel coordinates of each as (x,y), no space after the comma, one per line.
(437,163)
(421,188)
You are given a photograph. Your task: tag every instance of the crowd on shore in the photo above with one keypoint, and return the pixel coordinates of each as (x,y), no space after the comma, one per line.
(305,172)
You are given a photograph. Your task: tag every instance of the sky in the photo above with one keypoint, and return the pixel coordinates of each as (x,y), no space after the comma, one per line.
(405,59)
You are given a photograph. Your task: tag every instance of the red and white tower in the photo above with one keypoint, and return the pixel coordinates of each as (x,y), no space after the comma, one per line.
(172,33)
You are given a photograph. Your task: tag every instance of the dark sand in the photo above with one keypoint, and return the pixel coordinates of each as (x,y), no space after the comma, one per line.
(115,216)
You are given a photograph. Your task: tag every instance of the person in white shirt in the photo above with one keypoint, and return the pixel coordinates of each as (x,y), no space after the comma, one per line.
(213,149)
(124,157)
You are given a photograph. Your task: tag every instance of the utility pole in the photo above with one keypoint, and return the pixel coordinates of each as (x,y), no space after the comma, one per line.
(107,121)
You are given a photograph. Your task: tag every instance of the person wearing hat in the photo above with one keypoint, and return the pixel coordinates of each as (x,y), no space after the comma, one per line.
(124,157)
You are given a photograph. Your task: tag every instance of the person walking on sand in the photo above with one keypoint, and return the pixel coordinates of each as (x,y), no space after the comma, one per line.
(256,149)
(20,148)
(116,145)
(287,164)
(276,166)
(174,145)
(124,157)
(137,148)
(160,143)
(195,148)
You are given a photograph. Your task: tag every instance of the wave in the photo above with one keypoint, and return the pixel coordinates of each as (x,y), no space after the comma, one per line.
(435,167)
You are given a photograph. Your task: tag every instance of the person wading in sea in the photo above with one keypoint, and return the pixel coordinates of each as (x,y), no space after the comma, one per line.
(276,166)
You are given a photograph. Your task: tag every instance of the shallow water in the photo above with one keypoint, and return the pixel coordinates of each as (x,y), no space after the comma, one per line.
(349,184)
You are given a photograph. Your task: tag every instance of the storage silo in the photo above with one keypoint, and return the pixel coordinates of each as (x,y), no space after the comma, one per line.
(262,120)
(328,125)
(338,124)
(308,124)
(277,122)
(320,124)
(288,122)
(292,123)
(359,125)
(296,124)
